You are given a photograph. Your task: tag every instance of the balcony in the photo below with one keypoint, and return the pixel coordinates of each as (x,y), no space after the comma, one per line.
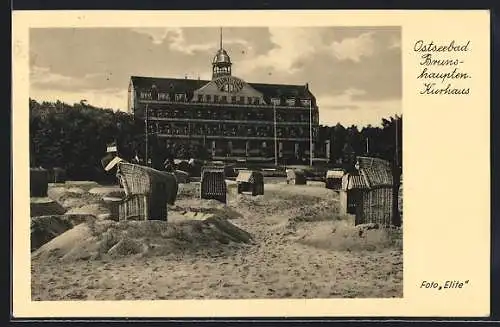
(225,105)
(223,137)
(227,121)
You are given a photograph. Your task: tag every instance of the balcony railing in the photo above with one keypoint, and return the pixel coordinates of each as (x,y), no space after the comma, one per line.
(228,121)
(220,104)
(224,137)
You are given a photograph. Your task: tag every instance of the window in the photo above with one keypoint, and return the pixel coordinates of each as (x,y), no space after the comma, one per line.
(249,100)
(290,102)
(208,98)
(275,101)
(216,98)
(224,99)
(179,97)
(305,102)
(242,100)
(233,99)
(256,101)
(200,98)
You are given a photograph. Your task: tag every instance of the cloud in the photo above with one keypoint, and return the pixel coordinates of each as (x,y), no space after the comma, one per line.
(395,43)
(296,48)
(176,39)
(103,98)
(44,78)
(157,35)
(347,109)
(291,45)
(354,48)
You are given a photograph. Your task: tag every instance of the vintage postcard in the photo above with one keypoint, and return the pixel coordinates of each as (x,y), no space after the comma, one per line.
(251,163)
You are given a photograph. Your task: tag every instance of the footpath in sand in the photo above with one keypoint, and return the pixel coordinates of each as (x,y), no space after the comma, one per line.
(289,243)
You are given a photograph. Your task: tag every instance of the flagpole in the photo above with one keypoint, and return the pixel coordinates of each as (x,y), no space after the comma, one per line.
(397,145)
(275,140)
(310,134)
(147,132)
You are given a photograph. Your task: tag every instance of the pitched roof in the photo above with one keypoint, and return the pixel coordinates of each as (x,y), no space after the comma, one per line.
(285,90)
(377,172)
(185,85)
(163,84)
(354,182)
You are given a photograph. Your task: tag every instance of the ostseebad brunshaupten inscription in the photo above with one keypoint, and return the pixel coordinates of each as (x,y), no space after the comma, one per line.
(441,67)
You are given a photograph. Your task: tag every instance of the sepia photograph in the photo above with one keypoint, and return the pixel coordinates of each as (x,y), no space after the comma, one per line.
(243,164)
(216,163)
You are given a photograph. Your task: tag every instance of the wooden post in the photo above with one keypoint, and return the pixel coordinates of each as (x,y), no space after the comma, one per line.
(275,140)
(146,209)
(146,155)
(396,175)
(310,135)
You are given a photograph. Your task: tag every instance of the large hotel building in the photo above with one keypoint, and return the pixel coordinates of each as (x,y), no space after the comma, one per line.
(233,119)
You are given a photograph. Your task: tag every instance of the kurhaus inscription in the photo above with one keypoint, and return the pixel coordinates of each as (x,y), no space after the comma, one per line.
(441,70)
(229,84)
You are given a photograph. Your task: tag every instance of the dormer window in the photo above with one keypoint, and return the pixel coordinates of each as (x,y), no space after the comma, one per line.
(163,96)
(305,102)
(179,97)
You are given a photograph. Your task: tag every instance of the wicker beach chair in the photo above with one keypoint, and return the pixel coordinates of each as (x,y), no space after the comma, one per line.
(333,179)
(58,175)
(213,184)
(39,182)
(148,191)
(296,177)
(182,176)
(250,181)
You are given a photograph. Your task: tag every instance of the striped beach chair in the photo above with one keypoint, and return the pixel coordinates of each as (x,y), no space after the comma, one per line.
(148,191)
(333,179)
(213,184)
(250,181)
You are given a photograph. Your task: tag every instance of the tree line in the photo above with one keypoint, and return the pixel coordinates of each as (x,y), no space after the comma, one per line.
(75,137)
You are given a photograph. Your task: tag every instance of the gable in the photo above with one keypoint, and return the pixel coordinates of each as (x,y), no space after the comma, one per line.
(228,86)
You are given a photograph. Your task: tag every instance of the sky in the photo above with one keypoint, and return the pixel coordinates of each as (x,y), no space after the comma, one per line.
(354,72)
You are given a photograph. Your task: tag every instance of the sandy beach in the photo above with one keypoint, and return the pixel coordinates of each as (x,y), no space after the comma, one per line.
(289,243)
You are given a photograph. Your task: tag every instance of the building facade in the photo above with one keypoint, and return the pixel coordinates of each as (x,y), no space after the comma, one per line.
(231,118)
